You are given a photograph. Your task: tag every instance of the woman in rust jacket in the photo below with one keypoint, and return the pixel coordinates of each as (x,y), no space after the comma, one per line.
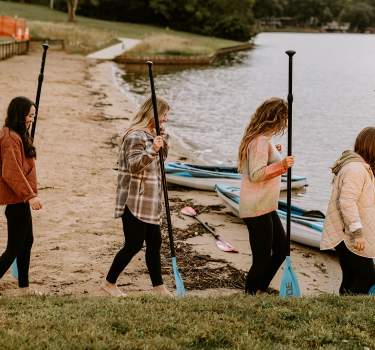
(18,186)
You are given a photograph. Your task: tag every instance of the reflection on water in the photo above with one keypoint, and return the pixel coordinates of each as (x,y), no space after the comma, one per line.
(334,98)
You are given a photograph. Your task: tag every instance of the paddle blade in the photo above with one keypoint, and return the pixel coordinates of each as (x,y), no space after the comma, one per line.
(14,269)
(180,289)
(225,246)
(372,290)
(189,211)
(289,284)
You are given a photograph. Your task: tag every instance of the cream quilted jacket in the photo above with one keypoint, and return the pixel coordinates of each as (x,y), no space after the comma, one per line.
(351,207)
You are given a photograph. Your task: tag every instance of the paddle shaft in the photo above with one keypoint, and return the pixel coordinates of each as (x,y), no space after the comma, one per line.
(161,159)
(290,53)
(206,227)
(39,90)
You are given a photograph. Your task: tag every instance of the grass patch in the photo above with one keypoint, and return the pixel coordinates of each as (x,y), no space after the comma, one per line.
(167,44)
(77,39)
(6,39)
(233,322)
(89,34)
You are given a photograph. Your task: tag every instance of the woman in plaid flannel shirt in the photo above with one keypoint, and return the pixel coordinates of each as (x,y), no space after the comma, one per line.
(139,195)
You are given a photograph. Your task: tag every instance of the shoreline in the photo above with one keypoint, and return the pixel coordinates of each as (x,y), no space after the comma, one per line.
(76,236)
(184,60)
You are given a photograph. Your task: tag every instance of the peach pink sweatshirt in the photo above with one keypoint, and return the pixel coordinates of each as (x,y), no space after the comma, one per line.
(261,180)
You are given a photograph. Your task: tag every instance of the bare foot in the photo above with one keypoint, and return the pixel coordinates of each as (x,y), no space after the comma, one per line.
(27,291)
(162,291)
(112,289)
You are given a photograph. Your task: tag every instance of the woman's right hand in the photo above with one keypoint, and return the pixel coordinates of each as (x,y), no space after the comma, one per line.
(158,143)
(35,203)
(359,244)
(288,162)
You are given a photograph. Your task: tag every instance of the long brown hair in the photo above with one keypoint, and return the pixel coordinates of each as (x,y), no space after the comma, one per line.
(18,110)
(365,146)
(270,116)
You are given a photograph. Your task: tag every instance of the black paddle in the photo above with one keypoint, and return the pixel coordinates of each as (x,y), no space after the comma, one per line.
(39,90)
(180,289)
(289,283)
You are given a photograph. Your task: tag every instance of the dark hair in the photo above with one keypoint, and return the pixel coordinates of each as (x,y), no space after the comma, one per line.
(365,146)
(18,109)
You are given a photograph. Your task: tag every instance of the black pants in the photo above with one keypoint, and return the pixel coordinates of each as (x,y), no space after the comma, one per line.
(136,232)
(20,241)
(268,246)
(358,273)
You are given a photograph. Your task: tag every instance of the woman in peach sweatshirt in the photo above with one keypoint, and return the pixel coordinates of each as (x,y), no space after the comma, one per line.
(260,162)
(18,187)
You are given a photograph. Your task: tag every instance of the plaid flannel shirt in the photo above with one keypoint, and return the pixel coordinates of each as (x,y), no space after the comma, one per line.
(139,179)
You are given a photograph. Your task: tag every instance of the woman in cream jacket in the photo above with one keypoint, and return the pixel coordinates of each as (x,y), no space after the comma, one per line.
(350,221)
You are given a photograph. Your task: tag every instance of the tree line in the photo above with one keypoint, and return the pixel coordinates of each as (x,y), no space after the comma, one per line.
(231,19)
(315,13)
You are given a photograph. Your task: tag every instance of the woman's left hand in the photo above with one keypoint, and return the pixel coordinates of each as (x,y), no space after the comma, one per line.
(279,147)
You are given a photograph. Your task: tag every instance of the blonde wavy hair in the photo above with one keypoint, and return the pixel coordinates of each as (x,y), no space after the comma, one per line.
(145,114)
(270,117)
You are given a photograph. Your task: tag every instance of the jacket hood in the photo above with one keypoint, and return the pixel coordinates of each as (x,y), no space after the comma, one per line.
(347,156)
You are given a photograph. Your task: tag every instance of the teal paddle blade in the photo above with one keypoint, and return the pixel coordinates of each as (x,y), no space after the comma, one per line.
(371,291)
(289,284)
(14,269)
(180,289)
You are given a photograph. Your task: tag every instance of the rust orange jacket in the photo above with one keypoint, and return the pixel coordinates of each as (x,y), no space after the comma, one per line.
(18,181)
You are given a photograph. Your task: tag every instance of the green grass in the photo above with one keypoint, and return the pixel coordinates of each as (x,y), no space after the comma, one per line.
(91,34)
(2,39)
(232,322)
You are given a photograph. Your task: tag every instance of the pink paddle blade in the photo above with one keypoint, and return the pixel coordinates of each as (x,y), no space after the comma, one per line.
(225,246)
(189,211)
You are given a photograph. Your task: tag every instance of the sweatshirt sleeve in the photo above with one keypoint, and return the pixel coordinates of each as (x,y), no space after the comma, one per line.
(12,172)
(136,152)
(258,167)
(351,186)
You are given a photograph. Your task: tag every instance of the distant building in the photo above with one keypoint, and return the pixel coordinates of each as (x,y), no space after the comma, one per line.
(335,27)
(278,22)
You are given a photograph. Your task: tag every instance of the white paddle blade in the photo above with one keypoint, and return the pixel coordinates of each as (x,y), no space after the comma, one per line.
(189,211)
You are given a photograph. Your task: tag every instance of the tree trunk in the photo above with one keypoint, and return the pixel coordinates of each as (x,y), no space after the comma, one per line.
(72,8)
(51,4)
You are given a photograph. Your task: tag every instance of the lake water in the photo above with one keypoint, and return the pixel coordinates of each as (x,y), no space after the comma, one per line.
(334,98)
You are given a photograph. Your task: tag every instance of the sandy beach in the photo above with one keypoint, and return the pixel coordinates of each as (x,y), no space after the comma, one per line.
(82,113)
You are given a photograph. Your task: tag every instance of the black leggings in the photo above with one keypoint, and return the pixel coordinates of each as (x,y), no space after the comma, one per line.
(358,272)
(268,246)
(136,232)
(20,241)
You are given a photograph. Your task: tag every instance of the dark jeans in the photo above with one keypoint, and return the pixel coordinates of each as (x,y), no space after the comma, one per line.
(136,232)
(268,246)
(358,273)
(20,241)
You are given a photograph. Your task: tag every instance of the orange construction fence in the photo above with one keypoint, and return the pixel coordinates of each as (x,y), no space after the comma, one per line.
(14,27)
